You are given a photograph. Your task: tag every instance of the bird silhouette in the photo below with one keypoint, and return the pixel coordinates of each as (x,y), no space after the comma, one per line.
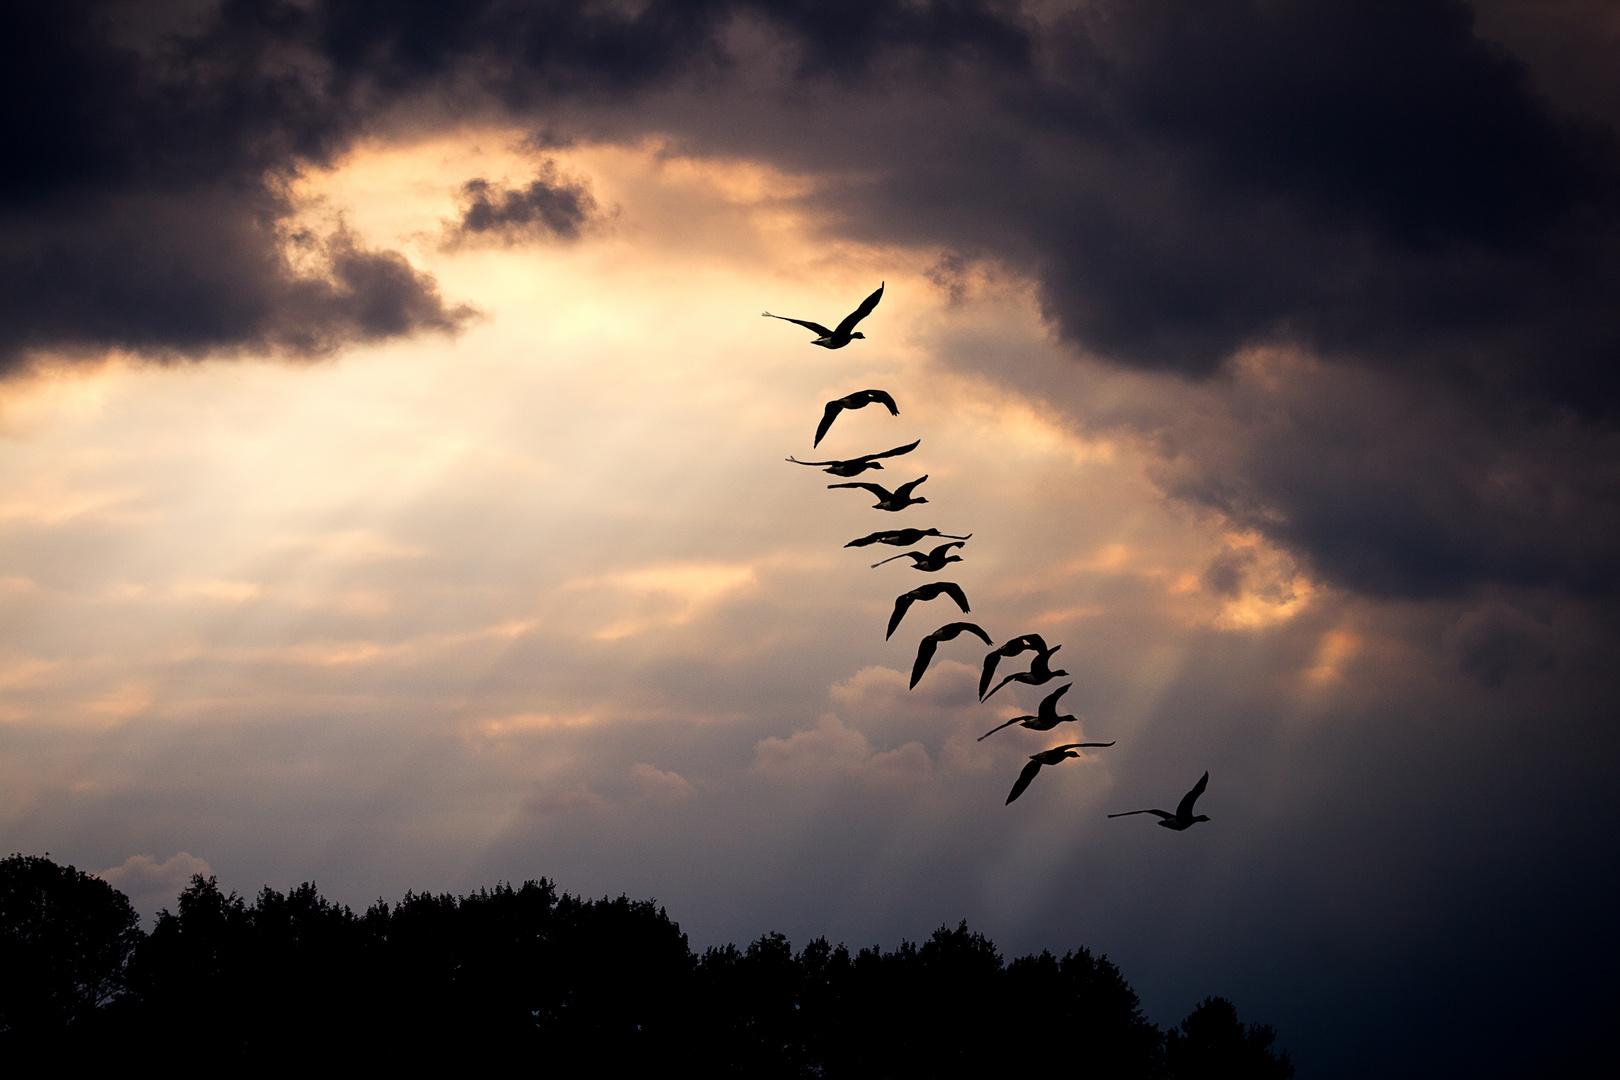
(895,500)
(1045,719)
(858,400)
(856,466)
(902,537)
(930,563)
(837,339)
(903,602)
(1012,648)
(1183,817)
(1039,672)
(926,647)
(1045,757)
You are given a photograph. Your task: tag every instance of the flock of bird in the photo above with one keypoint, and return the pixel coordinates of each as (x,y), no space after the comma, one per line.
(1040,670)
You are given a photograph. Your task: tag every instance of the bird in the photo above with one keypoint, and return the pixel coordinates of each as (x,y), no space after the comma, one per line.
(837,339)
(903,602)
(933,561)
(1046,717)
(1183,817)
(1039,672)
(895,500)
(1045,757)
(1012,648)
(856,466)
(902,537)
(926,647)
(858,400)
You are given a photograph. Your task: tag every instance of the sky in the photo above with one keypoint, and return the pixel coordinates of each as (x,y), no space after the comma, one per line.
(393,494)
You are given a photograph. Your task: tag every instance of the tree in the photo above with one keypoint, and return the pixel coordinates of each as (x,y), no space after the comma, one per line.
(1211,1042)
(65,942)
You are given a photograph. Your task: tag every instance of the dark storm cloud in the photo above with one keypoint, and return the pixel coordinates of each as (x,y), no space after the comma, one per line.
(548,205)
(1372,182)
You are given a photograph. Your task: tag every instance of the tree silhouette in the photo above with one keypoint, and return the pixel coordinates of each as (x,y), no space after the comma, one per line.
(65,942)
(1212,1042)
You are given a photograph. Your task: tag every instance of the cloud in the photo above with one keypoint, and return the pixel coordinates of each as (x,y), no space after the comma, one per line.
(150,884)
(548,206)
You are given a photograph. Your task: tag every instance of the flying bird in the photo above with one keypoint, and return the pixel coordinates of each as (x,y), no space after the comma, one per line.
(902,537)
(1183,817)
(1045,757)
(930,563)
(837,339)
(895,500)
(926,647)
(1045,719)
(903,602)
(858,400)
(1012,648)
(1039,672)
(856,466)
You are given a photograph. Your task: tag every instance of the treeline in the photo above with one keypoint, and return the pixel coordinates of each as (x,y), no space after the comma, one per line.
(291,979)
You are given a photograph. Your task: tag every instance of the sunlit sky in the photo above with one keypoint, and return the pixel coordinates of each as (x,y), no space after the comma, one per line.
(526,587)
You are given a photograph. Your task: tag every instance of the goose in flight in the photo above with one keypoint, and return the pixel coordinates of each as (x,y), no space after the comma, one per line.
(895,500)
(1045,757)
(837,339)
(903,602)
(1046,717)
(926,648)
(856,466)
(902,537)
(1039,672)
(1183,817)
(930,563)
(860,399)
(1012,648)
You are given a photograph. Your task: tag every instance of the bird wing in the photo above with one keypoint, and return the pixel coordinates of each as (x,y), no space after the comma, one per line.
(796,461)
(906,489)
(990,663)
(1186,807)
(1023,780)
(883,398)
(807,324)
(896,452)
(880,492)
(861,312)
(1017,676)
(1049,702)
(951,630)
(925,656)
(1161,813)
(943,548)
(827,417)
(902,604)
(998,727)
(954,591)
(869,539)
(916,555)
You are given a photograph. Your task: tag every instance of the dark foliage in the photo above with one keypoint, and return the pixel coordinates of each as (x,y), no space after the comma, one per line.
(65,940)
(611,985)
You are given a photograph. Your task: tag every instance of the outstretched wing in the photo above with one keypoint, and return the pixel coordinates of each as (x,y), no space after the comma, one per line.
(954,591)
(821,331)
(1160,813)
(951,630)
(827,417)
(896,452)
(998,727)
(861,312)
(1049,703)
(925,656)
(1017,676)
(879,492)
(902,604)
(1023,780)
(1186,807)
(796,461)
(943,548)
(883,398)
(990,663)
(917,556)
(909,486)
